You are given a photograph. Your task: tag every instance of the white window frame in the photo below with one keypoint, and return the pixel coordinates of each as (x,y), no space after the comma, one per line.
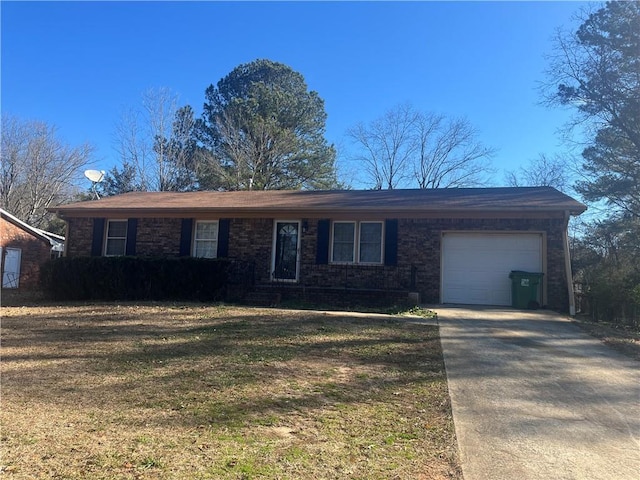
(107,238)
(195,240)
(357,235)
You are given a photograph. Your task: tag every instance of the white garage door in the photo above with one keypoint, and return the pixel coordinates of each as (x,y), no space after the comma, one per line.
(476,266)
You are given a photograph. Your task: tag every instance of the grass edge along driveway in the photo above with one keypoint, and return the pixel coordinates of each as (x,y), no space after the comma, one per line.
(165,391)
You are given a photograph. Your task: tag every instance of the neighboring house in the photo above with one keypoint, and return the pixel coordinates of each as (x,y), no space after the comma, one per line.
(23,249)
(443,245)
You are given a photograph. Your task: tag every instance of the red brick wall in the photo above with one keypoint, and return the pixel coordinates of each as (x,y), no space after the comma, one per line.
(79,237)
(419,244)
(158,236)
(418,266)
(35,252)
(250,239)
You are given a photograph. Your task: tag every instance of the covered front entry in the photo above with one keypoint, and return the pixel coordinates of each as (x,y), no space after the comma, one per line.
(476,266)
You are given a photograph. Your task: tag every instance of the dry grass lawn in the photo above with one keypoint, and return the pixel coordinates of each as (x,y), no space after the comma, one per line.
(160,391)
(624,339)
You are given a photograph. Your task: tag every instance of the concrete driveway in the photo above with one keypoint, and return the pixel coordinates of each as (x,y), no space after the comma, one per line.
(536,398)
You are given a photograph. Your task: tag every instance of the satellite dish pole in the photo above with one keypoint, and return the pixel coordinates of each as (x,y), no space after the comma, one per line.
(95,176)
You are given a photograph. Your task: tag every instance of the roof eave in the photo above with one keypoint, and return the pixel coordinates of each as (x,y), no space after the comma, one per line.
(33,231)
(252,212)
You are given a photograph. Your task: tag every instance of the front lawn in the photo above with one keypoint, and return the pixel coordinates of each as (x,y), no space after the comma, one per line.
(160,391)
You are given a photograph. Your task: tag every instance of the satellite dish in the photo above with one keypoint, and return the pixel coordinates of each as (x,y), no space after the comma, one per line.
(96,176)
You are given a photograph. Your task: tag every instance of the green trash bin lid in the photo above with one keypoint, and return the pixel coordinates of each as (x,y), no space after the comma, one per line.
(517,274)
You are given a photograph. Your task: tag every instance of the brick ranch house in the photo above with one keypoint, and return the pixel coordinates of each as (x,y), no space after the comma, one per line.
(441,246)
(23,249)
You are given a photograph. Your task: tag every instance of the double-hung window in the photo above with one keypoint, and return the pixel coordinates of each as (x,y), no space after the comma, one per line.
(116,239)
(370,250)
(205,239)
(344,235)
(357,242)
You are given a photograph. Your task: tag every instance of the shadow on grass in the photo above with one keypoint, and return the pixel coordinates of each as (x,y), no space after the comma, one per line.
(215,365)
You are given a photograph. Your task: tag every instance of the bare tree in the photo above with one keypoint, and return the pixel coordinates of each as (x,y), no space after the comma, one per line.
(542,171)
(155,144)
(37,169)
(388,146)
(449,154)
(405,146)
(248,163)
(134,149)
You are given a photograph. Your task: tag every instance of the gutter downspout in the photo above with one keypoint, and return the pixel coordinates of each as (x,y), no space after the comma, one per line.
(567,264)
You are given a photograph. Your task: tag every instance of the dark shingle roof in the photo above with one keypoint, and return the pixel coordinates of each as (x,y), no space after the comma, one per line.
(322,203)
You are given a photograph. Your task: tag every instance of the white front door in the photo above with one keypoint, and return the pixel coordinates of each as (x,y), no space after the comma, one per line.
(476,266)
(11,272)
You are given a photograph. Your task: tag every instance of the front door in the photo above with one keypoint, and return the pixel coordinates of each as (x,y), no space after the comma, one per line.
(285,250)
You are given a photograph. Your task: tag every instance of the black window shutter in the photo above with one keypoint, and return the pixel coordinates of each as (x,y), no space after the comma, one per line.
(98,237)
(185,237)
(322,252)
(132,230)
(223,237)
(391,242)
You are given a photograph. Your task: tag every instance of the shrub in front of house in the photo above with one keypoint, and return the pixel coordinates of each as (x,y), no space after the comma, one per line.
(135,278)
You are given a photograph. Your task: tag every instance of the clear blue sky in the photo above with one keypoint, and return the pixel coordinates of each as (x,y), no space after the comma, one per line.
(78,65)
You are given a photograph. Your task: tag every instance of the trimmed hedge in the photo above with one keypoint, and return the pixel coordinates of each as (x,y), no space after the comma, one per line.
(135,278)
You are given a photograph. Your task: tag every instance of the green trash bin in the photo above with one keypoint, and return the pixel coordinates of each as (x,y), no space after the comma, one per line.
(524,289)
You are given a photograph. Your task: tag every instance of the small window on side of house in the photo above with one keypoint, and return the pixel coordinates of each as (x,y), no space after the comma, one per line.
(205,239)
(116,239)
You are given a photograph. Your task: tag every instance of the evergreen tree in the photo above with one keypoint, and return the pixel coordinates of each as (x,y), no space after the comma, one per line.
(596,70)
(263,129)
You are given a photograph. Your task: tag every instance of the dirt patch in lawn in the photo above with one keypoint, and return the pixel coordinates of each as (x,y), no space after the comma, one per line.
(194,392)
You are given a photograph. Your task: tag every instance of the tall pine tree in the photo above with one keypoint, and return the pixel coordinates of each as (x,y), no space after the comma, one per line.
(264,130)
(596,70)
